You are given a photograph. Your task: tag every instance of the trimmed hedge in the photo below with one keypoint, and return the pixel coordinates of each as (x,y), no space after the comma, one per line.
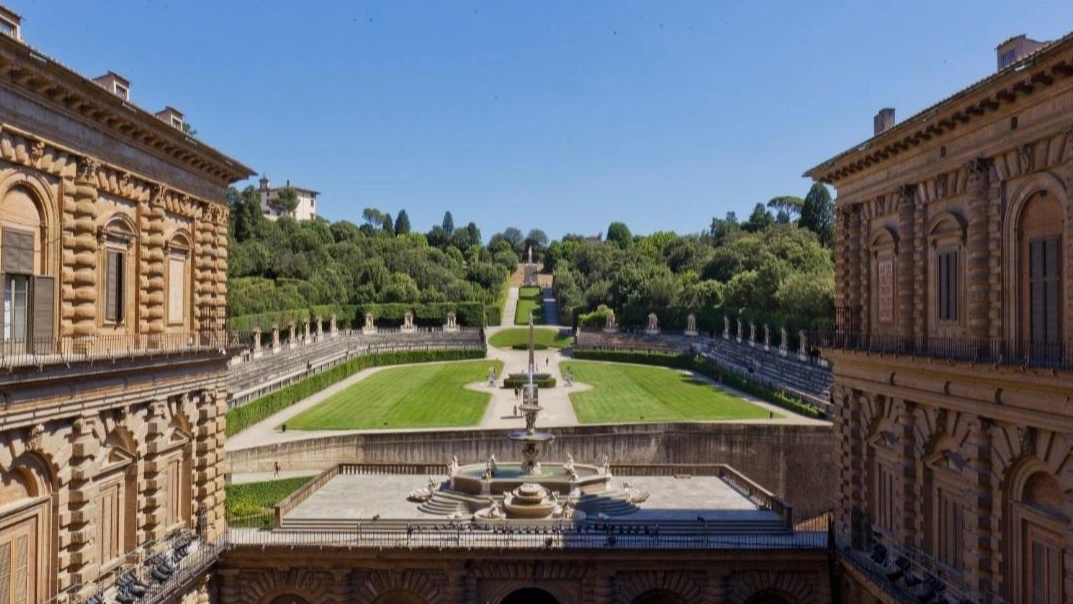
(526,346)
(544,382)
(698,364)
(429,313)
(240,418)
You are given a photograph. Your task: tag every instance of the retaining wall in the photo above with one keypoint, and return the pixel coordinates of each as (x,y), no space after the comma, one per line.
(794,462)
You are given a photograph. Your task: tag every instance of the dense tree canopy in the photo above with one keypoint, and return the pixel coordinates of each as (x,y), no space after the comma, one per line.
(767,269)
(289,265)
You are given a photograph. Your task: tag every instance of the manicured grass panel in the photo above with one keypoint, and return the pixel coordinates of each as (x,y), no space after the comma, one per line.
(704,367)
(251,504)
(422,396)
(240,418)
(632,393)
(529,299)
(519,338)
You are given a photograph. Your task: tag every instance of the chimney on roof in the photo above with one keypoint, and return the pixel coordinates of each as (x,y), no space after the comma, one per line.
(10,23)
(115,83)
(1016,48)
(883,121)
(172,116)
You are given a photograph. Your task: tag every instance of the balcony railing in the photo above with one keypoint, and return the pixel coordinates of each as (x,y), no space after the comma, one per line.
(67,350)
(996,352)
(908,574)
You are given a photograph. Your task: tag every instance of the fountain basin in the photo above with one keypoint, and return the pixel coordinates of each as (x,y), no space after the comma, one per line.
(510,476)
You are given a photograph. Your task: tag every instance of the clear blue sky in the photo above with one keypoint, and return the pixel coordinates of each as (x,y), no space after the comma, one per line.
(560,115)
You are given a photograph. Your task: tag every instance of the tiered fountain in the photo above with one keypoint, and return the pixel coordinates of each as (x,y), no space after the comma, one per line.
(527,489)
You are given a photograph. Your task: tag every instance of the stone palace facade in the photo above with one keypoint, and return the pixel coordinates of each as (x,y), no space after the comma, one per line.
(953,355)
(113,256)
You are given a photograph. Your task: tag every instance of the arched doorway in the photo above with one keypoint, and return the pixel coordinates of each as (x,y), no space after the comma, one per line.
(659,596)
(529,595)
(288,599)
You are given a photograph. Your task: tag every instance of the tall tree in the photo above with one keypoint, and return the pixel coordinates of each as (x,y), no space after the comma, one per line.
(514,236)
(787,208)
(402,223)
(474,233)
(448,223)
(537,239)
(818,214)
(759,220)
(619,233)
(388,224)
(373,217)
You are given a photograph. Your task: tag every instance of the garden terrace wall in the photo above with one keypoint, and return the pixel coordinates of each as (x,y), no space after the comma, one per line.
(792,461)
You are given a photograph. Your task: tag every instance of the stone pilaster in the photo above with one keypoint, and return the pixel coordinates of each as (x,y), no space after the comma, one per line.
(78,556)
(208,487)
(220,274)
(920,268)
(978,242)
(155,266)
(982,529)
(843,240)
(67,253)
(862,282)
(995,255)
(906,524)
(83,245)
(204,267)
(153,255)
(849,449)
(906,270)
(340,590)
(154,489)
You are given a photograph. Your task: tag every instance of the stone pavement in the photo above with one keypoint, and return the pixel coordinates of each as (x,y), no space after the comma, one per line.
(510,308)
(556,401)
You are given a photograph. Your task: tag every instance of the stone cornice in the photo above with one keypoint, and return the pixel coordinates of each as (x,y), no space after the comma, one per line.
(31,151)
(1043,69)
(33,75)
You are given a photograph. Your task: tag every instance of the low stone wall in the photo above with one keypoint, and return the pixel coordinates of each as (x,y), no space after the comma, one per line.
(794,462)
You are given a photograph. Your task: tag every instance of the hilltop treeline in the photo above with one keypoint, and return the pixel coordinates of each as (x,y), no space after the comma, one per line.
(287,265)
(774,267)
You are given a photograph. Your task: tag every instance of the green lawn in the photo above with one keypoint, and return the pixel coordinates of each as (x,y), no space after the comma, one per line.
(542,338)
(249,504)
(634,393)
(529,299)
(415,396)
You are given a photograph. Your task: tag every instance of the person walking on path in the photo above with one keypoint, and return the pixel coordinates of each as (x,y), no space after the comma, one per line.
(277,469)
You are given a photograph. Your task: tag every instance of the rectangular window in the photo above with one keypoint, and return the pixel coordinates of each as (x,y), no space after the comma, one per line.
(948,286)
(885,284)
(16,566)
(950,528)
(113,286)
(884,485)
(1044,296)
(176,289)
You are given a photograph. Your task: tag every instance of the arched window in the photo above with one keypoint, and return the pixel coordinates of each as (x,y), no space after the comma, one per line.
(178,254)
(116,244)
(1038,523)
(1039,274)
(29,294)
(946,261)
(884,250)
(25,552)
